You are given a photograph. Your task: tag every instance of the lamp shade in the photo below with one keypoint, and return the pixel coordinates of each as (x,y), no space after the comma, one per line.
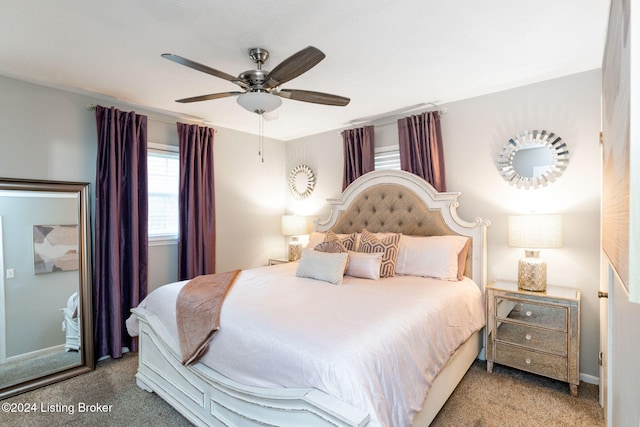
(535,231)
(259,102)
(293,225)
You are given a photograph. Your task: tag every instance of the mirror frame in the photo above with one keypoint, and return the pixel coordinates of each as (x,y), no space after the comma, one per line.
(543,138)
(307,173)
(87,361)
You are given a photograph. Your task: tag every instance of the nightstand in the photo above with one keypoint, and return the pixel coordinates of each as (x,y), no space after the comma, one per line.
(276,261)
(537,332)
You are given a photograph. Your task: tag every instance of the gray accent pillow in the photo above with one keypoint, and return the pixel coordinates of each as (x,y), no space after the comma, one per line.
(328,267)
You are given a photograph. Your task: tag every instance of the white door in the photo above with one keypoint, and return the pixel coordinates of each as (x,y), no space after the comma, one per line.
(605,323)
(624,346)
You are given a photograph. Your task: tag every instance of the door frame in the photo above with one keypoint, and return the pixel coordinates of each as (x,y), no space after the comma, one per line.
(3,330)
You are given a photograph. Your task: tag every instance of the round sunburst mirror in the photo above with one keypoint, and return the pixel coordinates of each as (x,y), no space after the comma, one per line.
(301,181)
(533,159)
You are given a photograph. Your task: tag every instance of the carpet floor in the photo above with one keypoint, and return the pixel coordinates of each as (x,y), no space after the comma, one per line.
(513,398)
(109,396)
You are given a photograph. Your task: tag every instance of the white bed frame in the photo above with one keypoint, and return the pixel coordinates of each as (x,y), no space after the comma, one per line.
(207,398)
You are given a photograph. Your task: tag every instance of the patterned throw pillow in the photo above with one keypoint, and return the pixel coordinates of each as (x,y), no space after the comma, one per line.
(369,243)
(333,247)
(348,242)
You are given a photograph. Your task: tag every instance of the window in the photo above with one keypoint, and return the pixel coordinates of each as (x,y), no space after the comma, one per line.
(386,158)
(164,180)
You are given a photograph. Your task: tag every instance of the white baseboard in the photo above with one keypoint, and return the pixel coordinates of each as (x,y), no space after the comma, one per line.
(36,353)
(589,379)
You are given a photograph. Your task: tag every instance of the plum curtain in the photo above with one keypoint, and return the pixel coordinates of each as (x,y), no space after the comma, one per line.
(420,143)
(197,241)
(358,153)
(120,270)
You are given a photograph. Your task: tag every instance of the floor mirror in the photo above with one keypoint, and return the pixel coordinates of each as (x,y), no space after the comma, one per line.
(45,283)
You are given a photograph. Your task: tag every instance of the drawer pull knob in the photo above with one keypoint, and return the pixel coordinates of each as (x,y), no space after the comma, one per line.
(529,313)
(528,337)
(527,361)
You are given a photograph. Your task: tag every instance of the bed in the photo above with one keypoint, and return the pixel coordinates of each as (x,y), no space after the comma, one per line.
(317,354)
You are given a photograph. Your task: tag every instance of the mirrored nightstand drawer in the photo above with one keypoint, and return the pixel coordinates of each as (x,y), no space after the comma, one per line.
(535,338)
(536,314)
(539,363)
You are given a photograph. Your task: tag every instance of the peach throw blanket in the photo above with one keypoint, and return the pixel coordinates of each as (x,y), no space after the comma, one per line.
(198,312)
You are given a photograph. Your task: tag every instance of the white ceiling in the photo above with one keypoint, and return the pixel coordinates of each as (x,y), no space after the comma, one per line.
(385,55)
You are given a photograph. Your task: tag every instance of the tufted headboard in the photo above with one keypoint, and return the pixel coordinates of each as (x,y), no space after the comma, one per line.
(401,202)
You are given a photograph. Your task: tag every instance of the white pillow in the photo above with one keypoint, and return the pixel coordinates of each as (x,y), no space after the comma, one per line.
(315,238)
(432,256)
(364,265)
(325,266)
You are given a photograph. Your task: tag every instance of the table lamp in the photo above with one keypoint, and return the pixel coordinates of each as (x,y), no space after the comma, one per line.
(534,232)
(294,226)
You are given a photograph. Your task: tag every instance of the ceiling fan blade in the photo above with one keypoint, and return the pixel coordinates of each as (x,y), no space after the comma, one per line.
(293,66)
(205,69)
(208,97)
(314,97)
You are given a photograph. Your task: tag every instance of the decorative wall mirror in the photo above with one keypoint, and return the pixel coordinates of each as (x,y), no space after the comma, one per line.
(45,283)
(533,159)
(301,181)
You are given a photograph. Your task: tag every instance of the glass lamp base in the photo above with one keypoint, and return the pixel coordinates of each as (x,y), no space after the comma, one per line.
(295,251)
(532,274)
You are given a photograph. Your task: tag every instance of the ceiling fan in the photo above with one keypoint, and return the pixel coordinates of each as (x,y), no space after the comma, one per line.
(262,91)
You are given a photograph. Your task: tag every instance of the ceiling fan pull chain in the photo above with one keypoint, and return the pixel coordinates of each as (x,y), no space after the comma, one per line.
(261,137)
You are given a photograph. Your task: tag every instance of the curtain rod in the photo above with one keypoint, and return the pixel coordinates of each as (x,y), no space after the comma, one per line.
(391,117)
(203,122)
(395,121)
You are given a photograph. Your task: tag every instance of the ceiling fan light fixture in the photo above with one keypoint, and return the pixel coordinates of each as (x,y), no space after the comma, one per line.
(259,102)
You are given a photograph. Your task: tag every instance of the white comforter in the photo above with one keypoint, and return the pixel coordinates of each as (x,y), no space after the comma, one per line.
(375,344)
